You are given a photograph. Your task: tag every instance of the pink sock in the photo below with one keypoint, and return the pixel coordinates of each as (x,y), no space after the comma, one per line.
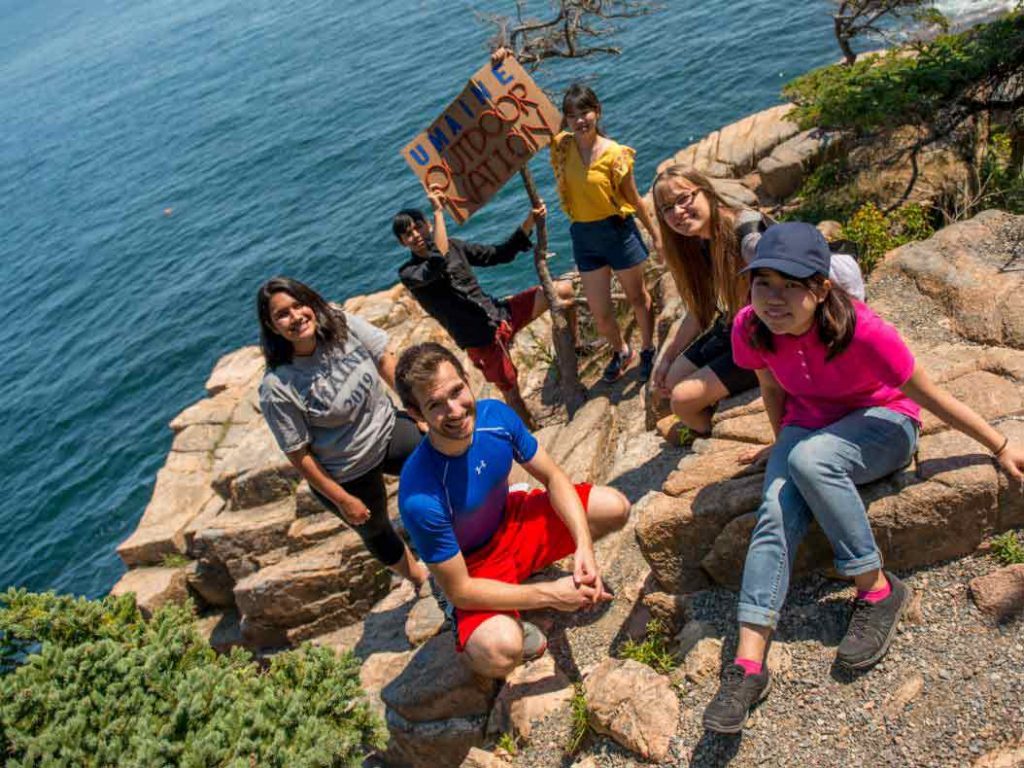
(749,666)
(876,596)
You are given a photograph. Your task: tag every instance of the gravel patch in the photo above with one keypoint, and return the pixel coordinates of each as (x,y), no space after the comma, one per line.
(968,701)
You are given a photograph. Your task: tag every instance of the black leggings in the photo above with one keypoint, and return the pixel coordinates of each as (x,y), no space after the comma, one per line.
(377,533)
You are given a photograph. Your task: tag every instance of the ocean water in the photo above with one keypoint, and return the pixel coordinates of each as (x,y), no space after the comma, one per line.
(271,131)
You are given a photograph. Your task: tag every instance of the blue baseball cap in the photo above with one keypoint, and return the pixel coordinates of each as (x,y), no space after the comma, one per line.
(792,248)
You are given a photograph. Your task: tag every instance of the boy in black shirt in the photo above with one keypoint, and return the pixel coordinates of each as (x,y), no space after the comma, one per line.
(439,275)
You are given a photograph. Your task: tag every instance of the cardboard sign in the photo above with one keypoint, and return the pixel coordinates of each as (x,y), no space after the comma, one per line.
(498,122)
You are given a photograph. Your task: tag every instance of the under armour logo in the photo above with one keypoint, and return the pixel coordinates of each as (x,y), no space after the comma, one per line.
(481,466)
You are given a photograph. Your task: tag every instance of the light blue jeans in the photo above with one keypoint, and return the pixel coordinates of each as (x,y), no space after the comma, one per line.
(815,472)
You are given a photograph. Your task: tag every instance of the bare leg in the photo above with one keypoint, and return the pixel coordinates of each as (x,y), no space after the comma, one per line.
(753,642)
(632,280)
(410,568)
(496,647)
(607,511)
(597,288)
(694,397)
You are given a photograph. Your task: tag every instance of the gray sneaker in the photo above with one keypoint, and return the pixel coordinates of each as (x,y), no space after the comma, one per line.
(737,693)
(872,627)
(534,642)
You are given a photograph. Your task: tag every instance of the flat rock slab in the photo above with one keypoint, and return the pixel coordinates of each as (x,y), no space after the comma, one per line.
(1000,594)
(178,498)
(241,368)
(531,693)
(153,587)
(634,705)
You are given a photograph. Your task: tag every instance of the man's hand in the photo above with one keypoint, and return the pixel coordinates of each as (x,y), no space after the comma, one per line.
(436,197)
(498,55)
(567,596)
(585,571)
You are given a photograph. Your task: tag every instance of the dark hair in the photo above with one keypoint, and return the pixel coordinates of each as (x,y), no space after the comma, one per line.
(580,98)
(418,365)
(835,318)
(705,286)
(331,327)
(406,219)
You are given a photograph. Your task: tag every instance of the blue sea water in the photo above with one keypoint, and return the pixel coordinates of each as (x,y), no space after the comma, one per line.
(271,131)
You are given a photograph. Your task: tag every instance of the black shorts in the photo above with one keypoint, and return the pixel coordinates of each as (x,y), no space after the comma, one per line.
(713,349)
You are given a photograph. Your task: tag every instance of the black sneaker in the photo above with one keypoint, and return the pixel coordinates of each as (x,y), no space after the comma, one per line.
(618,364)
(737,693)
(646,363)
(872,627)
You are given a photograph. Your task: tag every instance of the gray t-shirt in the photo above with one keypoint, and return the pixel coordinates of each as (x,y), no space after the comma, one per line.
(844,272)
(333,401)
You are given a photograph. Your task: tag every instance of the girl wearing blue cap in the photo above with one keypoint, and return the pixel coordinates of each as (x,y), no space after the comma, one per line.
(843,394)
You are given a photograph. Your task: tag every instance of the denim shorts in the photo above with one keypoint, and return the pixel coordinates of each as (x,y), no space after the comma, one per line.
(613,242)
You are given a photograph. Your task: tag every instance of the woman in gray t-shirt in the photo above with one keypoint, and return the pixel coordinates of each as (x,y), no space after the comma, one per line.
(706,243)
(324,400)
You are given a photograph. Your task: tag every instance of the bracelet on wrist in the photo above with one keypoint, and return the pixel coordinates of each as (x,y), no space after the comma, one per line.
(1006,442)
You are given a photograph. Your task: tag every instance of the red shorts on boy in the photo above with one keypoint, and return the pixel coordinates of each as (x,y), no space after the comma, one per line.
(494,360)
(531,537)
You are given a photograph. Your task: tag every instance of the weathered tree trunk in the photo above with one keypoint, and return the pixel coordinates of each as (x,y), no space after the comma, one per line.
(573,393)
(843,38)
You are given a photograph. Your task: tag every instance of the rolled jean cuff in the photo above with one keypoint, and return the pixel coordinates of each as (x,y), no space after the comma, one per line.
(859,565)
(756,615)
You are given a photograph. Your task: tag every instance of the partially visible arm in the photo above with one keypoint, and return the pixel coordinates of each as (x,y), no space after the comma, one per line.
(629,191)
(386,369)
(471,593)
(774,397)
(351,507)
(436,198)
(923,391)
(688,330)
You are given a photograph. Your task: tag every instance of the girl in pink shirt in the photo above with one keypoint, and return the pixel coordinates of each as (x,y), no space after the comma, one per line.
(843,395)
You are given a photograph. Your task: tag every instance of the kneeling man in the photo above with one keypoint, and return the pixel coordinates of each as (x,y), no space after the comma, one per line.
(479,539)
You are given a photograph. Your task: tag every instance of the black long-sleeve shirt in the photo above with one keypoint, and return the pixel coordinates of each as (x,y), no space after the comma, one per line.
(446,287)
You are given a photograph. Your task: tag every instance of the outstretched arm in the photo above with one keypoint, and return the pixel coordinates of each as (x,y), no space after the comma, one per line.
(436,198)
(960,416)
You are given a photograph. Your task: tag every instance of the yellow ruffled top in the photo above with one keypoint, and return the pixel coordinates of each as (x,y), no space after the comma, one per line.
(591,194)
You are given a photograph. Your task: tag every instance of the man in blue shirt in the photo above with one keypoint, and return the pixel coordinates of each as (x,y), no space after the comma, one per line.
(480,540)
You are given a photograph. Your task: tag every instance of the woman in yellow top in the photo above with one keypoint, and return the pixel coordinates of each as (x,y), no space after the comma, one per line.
(599,195)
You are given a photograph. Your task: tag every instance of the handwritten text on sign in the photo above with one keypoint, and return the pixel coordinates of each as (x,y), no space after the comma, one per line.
(484,137)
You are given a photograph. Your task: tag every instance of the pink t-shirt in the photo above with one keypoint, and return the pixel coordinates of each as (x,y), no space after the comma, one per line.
(868,373)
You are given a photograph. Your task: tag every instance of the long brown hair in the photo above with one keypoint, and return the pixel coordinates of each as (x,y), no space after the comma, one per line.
(835,318)
(331,327)
(707,280)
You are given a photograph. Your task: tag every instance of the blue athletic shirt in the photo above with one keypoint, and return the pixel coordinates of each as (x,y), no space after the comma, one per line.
(456,503)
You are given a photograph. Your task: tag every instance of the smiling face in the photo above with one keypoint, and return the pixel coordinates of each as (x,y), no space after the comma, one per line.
(683,207)
(785,304)
(583,122)
(447,405)
(293,321)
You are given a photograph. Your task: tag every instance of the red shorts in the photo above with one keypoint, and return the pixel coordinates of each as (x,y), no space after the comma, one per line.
(494,360)
(531,537)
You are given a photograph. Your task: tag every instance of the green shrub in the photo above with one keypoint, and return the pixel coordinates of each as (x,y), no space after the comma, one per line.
(875,233)
(827,193)
(1007,549)
(580,720)
(893,89)
(652,650)
(99,687)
